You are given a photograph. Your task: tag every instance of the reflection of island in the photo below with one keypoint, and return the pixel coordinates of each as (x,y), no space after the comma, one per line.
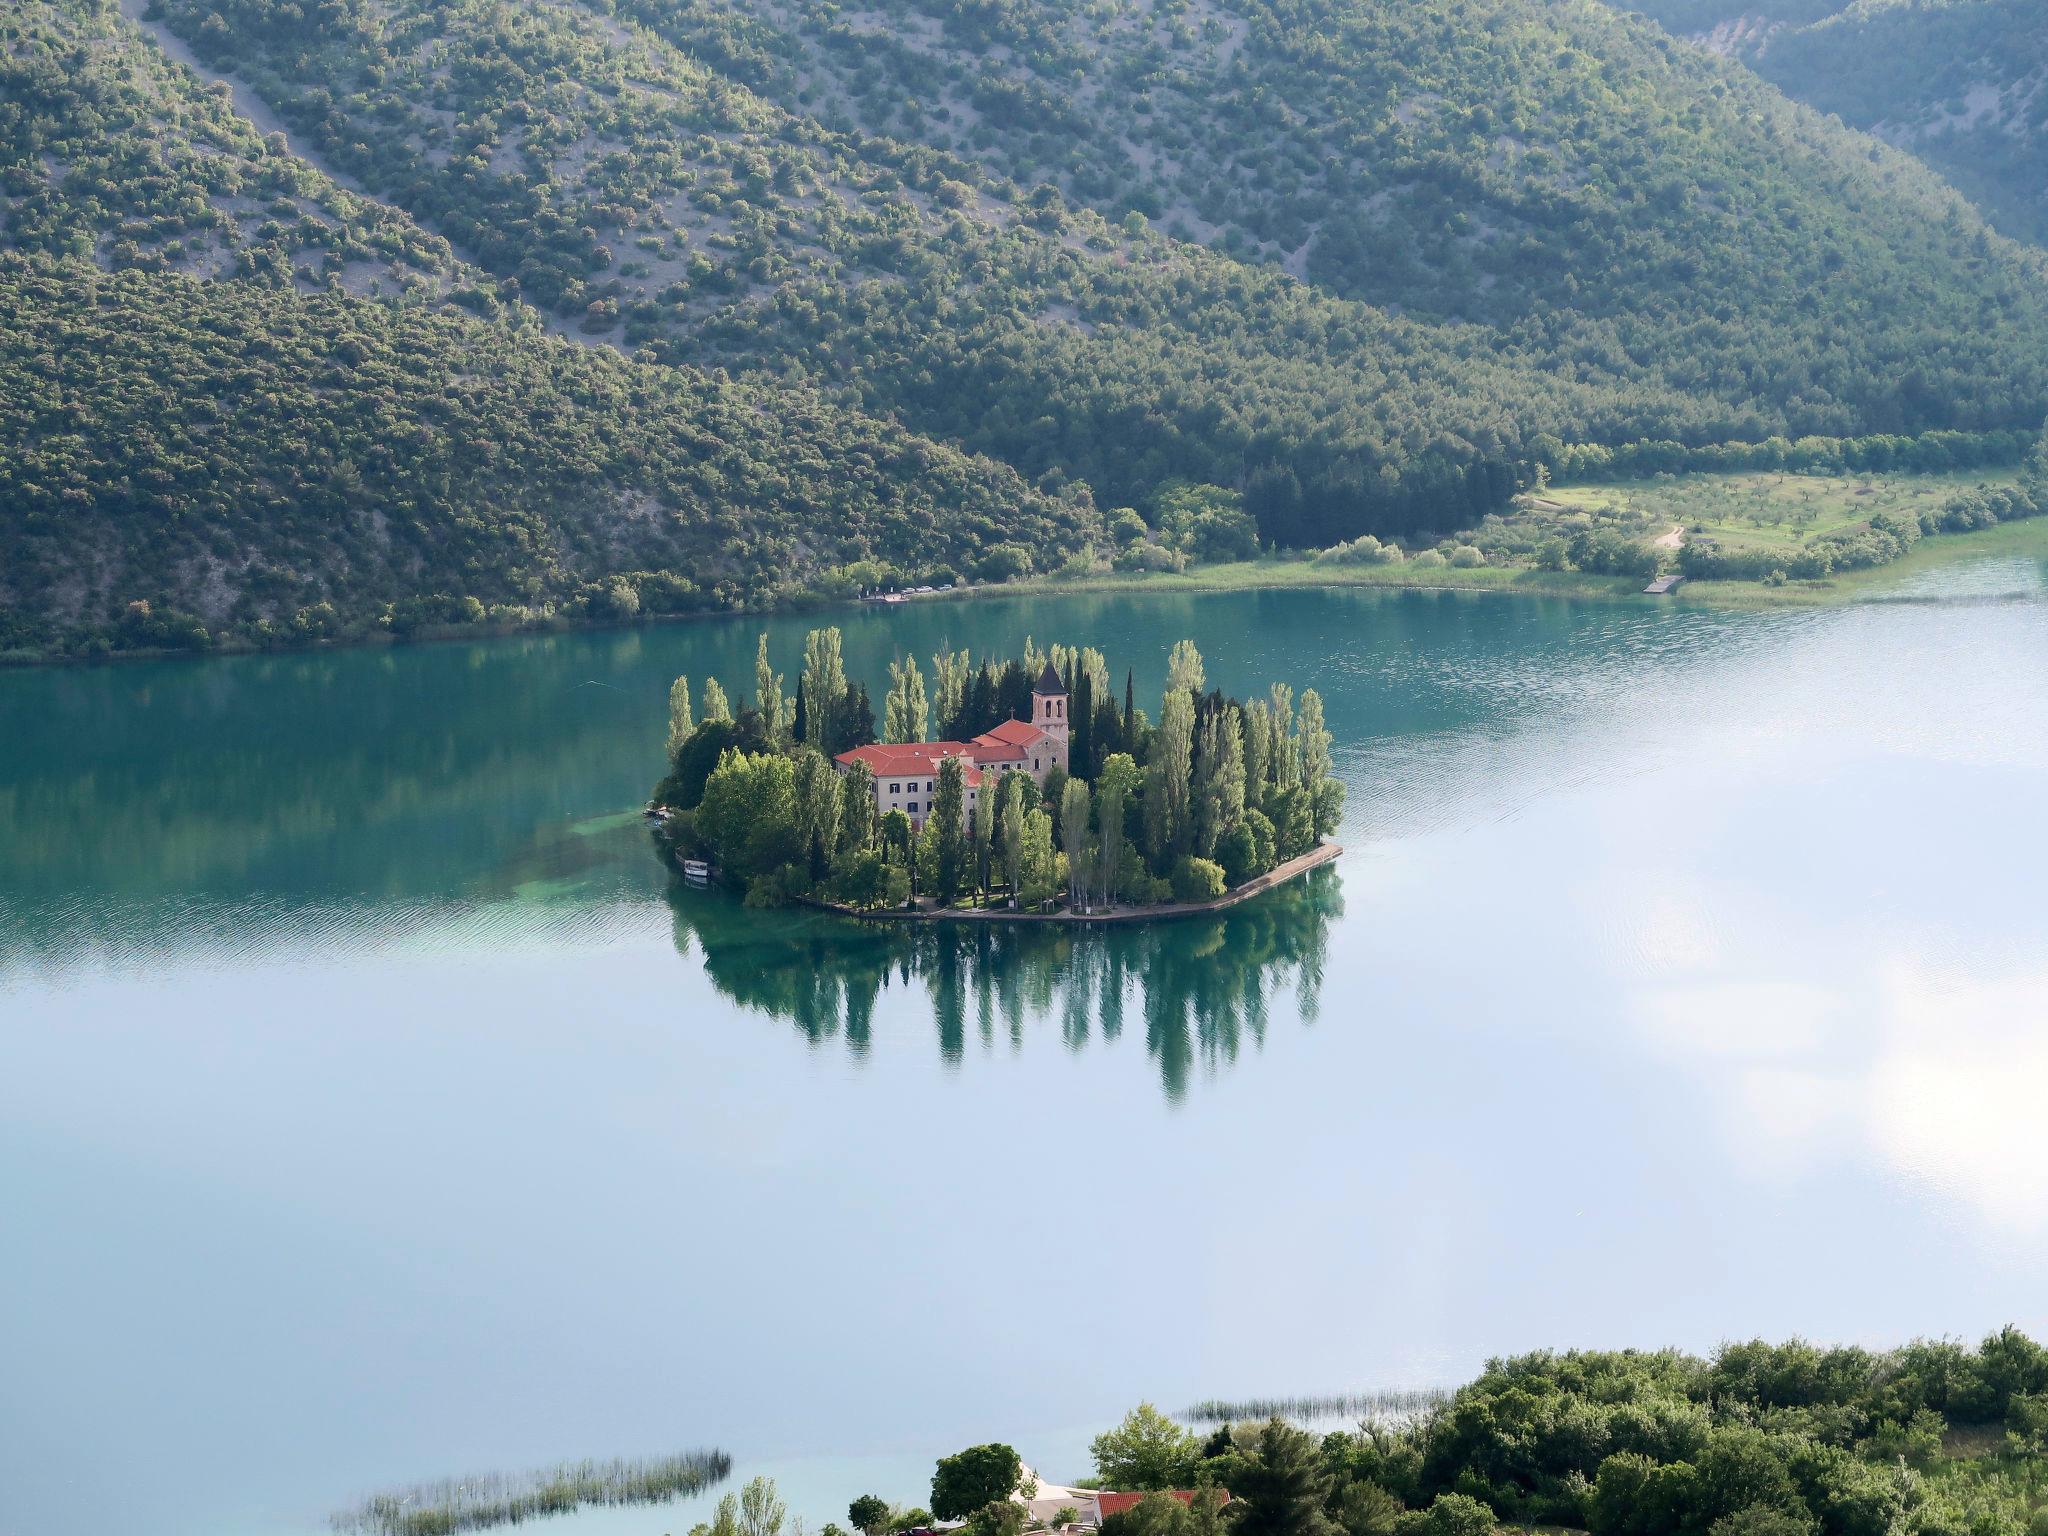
(1198,987)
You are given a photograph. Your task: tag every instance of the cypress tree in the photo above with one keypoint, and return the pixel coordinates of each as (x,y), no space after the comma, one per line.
(1130,705)
(1081,728)
(801,729)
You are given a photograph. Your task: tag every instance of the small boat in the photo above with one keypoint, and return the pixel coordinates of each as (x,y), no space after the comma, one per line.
(696,871)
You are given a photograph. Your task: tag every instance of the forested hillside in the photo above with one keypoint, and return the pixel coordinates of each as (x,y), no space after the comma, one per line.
(1665,248)
(1369,263)
(236,398)
(1961,83)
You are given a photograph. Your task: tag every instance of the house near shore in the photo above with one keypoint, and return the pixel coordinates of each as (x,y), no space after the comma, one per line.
(1091,1506)
(907,773)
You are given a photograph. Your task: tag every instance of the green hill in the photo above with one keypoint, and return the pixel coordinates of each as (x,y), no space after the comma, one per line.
(1367,262)
(261,406)
(1961,83)
(1516,222)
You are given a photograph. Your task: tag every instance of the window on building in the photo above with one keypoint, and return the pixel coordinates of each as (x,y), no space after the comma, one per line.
(895,789)
(912,807)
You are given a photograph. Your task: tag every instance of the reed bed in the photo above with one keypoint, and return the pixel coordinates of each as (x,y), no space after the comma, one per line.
(477,1503)
(1405,1404)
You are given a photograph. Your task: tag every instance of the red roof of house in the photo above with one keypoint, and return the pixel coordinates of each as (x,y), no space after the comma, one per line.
(1116,1503)
(1021,734)
(913,759)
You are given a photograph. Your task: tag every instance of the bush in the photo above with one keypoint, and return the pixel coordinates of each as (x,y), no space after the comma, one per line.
(1428,560)
(1197,879)
(1456,1514)
(1465,556)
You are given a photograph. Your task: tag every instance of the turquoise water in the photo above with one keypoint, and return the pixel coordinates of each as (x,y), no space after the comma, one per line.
(373,1109)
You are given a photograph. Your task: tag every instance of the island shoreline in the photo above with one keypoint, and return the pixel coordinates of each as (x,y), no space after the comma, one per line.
(1279,875)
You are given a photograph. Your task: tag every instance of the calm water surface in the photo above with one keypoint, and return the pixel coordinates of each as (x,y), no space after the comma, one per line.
(371,1108)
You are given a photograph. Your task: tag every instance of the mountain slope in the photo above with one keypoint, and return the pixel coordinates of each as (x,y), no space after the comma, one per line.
(615,162)
(203,409)
(1961,83)
(1528,166)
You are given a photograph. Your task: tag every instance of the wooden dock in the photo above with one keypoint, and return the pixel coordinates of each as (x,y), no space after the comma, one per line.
(1664,586)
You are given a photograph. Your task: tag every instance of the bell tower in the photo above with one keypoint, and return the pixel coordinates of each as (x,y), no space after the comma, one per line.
(1049,710)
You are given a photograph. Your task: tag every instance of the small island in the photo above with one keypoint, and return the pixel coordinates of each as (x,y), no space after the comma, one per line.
(1015,789)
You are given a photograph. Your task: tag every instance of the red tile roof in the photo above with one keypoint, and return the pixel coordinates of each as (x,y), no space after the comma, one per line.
(1012,733)
(1116,1503)
(912,759)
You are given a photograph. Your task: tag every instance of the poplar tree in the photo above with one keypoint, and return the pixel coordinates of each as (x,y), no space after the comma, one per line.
(1258,750)
(985,834)
(824,685)
(680,719)
(1184,668)
(1286,750)
(1113,790)
(768,692)
(1325,793)
(857,807)
(949,688)
(1074,837)
(1219,778)
(944,844)
(1173,751)
(1013,835)
(715,705)
(904,714)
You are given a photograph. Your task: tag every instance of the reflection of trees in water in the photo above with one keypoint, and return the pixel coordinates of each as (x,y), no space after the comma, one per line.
(1200,986)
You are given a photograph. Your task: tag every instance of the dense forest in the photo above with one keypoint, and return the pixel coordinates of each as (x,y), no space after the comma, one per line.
(1962,85)
(1933,1439)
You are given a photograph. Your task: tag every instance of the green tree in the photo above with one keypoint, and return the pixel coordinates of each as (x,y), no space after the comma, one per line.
(904,713)
(857,813)
(768,693)
(949,687)
(1114,786)
(1146,1451)
(824,691)
(748,814)
(1286,747)
(869,1514)
(1076,839)
(1038,865)
(818,808)
(977,1476)
(681,722)
(1325,793)
(1184,673)
(715,705)
(1012,822)
(942,850)
(1258,751)
(1219,778)
(1282,1486)
(1173,749)
(762,1512)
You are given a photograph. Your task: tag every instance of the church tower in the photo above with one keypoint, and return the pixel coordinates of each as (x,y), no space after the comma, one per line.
(1049,710)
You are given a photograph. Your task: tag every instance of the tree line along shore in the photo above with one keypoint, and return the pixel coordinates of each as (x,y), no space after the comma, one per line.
(1934,1438)
(778,796)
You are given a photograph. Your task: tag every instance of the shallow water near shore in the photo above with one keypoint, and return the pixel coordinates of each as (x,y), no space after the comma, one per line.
(375,1108)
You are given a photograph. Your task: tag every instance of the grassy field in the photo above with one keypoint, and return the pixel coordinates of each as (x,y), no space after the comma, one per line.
(2026,540)
(1772,511)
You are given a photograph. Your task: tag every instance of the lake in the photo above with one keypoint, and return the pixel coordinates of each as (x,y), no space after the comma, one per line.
(374,1107)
